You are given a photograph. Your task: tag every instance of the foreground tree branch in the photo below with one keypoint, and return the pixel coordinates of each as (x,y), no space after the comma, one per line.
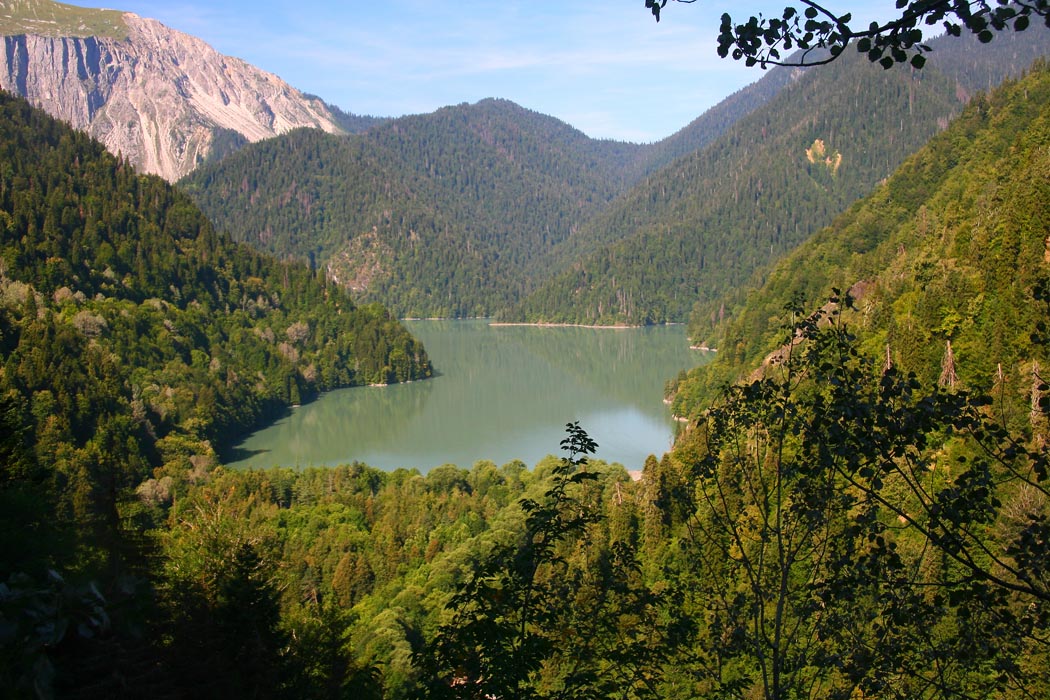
(811,34)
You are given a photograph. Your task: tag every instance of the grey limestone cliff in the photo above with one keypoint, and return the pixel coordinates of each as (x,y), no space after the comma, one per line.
(157,96)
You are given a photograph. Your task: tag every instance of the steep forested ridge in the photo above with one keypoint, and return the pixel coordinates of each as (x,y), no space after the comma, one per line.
(447,214)
(470,209)
(702,226)
(950,250)
(135,339)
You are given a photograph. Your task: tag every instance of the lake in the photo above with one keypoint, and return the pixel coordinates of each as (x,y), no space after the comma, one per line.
(501,393)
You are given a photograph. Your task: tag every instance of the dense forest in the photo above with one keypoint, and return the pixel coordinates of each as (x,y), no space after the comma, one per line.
(490,209)
(136,341)
(456,213)
(862,514)
(704,225)
(446,214)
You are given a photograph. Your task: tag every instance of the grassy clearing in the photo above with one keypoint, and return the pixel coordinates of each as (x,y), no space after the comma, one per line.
(47,18)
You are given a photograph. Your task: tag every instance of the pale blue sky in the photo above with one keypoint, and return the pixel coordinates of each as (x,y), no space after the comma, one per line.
(604,66)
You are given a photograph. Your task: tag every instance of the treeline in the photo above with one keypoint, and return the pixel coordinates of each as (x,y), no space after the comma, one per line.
(135,340)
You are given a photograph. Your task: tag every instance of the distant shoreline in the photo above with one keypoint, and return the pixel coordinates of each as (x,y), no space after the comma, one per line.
(544,324)
(619,327)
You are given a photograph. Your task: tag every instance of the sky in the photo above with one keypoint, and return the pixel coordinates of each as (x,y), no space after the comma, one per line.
(604,66)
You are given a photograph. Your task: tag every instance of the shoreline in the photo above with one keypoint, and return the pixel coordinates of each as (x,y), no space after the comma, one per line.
(620,327)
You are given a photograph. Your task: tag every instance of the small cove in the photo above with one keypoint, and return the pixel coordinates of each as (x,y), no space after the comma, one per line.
(501,393)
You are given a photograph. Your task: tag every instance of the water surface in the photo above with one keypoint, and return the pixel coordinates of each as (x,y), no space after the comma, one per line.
(502,393)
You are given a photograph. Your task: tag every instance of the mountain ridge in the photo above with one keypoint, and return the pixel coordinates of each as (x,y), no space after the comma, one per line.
(159,97)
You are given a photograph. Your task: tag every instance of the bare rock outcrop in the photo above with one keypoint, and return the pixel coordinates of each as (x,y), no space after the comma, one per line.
(156,96)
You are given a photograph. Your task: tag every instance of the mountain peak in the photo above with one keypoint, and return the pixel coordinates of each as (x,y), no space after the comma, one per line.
(164,99)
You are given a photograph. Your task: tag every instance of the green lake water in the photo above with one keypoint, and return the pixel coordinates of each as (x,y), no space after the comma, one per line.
(501,393)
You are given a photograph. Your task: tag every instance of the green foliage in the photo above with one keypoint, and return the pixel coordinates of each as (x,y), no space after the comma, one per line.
(951,248)
(449,214)
(544,614)
(850,532)
(818,35)
(134,341)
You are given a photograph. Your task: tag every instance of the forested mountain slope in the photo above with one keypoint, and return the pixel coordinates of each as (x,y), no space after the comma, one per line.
(455,213)
(871,443)
(828,528)
(702,226)
(444,214)
(135,339)
(952,249)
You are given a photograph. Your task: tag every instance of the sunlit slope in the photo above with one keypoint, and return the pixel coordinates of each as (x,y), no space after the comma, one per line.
(951,249)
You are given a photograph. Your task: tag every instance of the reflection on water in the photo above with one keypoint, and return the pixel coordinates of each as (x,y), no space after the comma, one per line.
(503,393)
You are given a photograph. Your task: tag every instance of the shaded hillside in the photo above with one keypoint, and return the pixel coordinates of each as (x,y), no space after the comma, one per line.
(444,214)
(705,224)
(134,337)
(951,249)
(455,213)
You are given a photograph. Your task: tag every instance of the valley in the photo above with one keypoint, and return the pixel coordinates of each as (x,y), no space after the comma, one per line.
(231,465)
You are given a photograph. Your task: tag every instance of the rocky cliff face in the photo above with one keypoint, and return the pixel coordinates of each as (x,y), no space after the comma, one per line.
(159,97)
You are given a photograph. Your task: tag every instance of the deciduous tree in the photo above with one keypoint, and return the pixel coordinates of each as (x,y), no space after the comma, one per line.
(821,33)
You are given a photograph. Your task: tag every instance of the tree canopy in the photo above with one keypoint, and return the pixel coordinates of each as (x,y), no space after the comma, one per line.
(817,34)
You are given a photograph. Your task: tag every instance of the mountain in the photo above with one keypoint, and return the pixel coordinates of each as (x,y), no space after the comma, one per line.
(456,213)
(134,337)
(135,342)
(165,100)
(443,214)
(948,257)
(493,209)
(705,224)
